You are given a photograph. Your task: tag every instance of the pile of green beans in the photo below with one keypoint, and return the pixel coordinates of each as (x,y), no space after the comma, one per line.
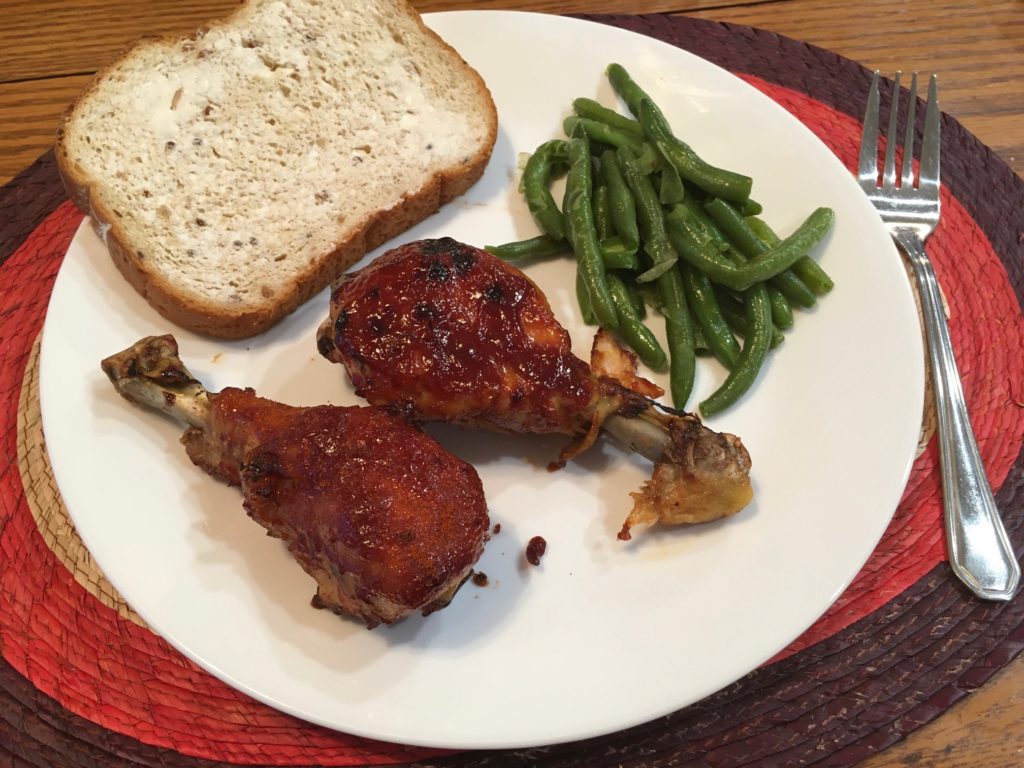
(651,223)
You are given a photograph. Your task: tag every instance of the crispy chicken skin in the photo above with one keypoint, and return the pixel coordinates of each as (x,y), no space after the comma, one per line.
(377,512)
(445,331)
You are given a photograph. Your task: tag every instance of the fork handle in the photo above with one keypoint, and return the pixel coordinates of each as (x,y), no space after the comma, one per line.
(979,550)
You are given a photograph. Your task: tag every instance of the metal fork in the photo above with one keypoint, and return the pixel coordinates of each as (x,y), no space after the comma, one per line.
(979,550)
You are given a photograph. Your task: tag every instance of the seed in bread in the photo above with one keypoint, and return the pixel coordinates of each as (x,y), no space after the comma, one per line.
(235,173)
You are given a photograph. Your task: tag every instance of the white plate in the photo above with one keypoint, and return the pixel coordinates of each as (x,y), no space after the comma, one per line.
(603,635)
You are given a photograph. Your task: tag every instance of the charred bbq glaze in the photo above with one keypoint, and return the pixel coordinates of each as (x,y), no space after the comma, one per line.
(434,327)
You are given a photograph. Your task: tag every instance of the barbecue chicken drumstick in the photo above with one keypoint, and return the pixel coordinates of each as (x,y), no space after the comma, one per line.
(377,512)
(448,332)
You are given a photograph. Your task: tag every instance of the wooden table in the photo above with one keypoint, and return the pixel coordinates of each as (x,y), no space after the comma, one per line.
(49,49)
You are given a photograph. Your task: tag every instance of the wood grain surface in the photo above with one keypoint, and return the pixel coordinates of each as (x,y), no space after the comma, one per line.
(49,49)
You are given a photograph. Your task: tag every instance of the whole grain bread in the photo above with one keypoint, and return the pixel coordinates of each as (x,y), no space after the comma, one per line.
(233,174)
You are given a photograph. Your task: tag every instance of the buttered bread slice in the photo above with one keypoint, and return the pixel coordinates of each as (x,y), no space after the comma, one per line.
(235,173)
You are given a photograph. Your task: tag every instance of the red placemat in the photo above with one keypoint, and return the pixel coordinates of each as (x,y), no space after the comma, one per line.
(84,682)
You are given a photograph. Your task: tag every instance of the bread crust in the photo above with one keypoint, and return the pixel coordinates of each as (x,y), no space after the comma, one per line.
(217,320)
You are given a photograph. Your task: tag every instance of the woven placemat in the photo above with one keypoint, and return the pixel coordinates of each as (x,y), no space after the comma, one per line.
(83,682)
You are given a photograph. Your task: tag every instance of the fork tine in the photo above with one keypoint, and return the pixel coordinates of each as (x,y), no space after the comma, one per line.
(867,169)
(932,140)
(889,169)
(907,176)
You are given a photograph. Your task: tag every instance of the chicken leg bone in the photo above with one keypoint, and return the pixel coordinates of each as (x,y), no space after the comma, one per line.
(150,373)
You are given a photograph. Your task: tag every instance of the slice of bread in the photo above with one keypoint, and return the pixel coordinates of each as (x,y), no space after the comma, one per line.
(235,173)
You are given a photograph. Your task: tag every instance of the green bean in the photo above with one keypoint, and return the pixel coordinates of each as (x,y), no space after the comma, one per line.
(794,289)
(583,299)
(626,87)
(621,205)
(605,136)
(595,111)
(692,217)
(636,297)
(679,336)
(536,177)
(650,218)
(806,268)
(631,327)
(735,227)
(538,247)
(742,232)
(579,229)
(750,207)
(718,335)
(758,315)
(732,311)
(787,283)
(704,256)
(615,253)
(760,228)
(790,286)
(767,262)
(602,132)
(682,366)
(602,213)
(715,181)
(813,275)
(782,312)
